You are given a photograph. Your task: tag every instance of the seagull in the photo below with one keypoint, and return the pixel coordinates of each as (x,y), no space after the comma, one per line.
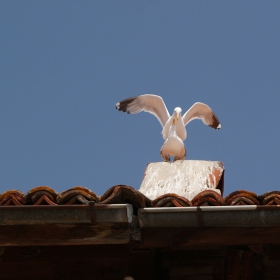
(173,146)
(155,105)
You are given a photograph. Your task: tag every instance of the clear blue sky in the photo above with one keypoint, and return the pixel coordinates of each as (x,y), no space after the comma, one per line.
(64,65)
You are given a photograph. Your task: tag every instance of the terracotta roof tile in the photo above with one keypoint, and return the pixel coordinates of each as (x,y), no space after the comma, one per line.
(77,195)
(270,198)
(12,197)
(125,194)
(208,198)
(171,200)
(41,195)
(242,197)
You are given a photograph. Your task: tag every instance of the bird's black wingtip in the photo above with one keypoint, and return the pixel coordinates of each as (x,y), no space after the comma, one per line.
(124,104)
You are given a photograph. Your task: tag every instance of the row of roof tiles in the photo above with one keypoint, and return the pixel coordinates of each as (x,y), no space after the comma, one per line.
(119,194)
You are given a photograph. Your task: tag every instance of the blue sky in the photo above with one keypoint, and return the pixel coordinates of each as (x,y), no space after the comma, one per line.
(64,65)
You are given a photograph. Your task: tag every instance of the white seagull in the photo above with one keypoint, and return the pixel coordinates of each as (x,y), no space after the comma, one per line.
(173,146)
(155,105)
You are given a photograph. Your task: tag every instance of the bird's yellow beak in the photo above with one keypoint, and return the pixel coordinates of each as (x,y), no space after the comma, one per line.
(177,117)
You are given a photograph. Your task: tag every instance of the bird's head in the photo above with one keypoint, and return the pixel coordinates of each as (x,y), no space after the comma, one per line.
(177,112)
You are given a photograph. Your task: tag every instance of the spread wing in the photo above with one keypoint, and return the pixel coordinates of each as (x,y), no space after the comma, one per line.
(203,112)
(150,103)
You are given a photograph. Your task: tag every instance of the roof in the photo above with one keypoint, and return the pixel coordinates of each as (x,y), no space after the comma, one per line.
(127,233)
(123,214)
(121,194)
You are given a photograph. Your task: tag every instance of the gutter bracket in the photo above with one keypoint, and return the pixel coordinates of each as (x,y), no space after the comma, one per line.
(91,211)
(200,217)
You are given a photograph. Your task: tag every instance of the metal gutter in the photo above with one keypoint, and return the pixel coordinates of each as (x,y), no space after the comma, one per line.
(210,216)
(65,214)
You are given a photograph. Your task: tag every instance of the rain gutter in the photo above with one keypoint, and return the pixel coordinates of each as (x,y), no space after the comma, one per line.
(210,216)
(65,214)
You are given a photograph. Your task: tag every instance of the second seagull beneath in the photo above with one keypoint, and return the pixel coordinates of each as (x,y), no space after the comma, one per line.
(173,146)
